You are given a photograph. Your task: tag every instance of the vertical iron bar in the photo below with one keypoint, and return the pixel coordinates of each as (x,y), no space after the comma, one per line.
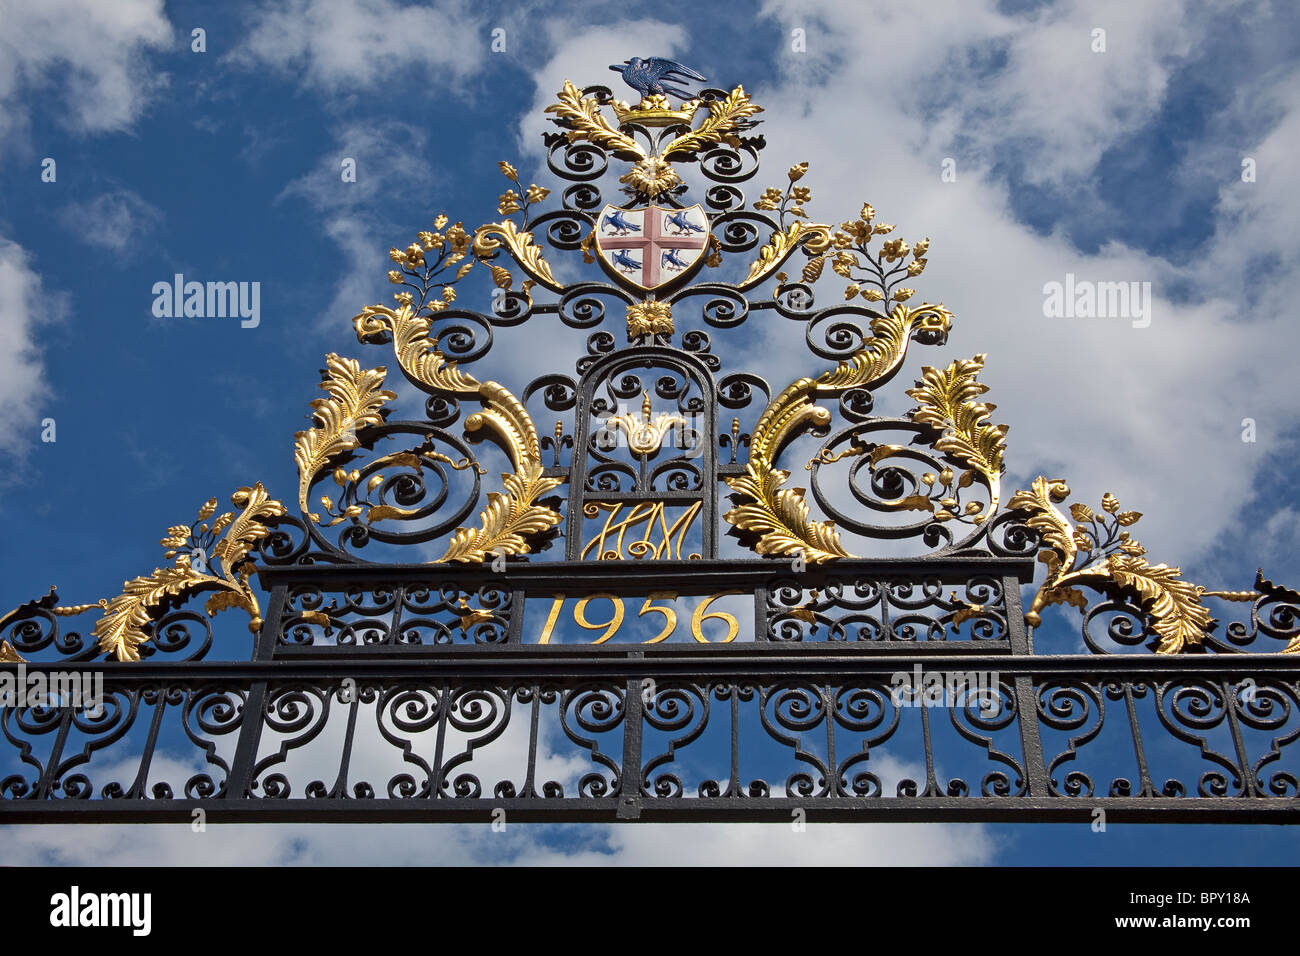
(240,782)
(630,782)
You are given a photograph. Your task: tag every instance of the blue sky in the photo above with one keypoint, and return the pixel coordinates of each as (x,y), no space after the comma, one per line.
(223,165)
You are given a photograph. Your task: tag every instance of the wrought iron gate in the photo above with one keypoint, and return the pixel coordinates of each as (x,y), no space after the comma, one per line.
(646,623)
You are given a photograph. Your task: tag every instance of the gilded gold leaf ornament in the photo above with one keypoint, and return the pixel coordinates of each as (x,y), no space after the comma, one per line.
(724,117)
(491,237)
(649,318)
(510,517)
(1119,565)
(416,352)
(645,435)
(948,402)
(814,237)
(651,175)
(355,401)
(780,518)
(583,120)
(122,629)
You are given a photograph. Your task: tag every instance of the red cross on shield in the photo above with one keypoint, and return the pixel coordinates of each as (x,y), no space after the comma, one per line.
(650,247)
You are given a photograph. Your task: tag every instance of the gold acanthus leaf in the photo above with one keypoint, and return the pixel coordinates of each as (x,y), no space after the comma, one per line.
(1177,615)
(417,354)
(780,517)
(723,116)
(509,518)
(122,629)
(355,401)
(948,402)
(584,121)
(814,237)
(489,238)
(1174,604)
(1039,506)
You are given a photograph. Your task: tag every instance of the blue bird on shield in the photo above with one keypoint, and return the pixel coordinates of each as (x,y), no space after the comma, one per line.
(672,259)
(616,221)
(683,225)
(647,76)
(623,260)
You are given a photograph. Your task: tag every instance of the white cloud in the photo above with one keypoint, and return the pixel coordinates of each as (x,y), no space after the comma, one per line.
(391,160)
(91,53)
(114,221)
(1151,414)
(523,844)
(335,45)
(24,305)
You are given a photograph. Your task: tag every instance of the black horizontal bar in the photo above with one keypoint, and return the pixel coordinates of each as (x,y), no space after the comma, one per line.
(938,809)
(765,649)
(640,577)
(530,662)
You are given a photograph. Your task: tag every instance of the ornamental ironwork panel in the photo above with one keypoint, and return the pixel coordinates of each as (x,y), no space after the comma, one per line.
(702,593)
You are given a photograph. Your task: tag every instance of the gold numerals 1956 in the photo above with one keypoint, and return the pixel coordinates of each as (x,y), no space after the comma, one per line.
(669,614)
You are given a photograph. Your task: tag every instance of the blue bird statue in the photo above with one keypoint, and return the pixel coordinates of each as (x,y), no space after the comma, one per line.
(623,260)
(683,225)
(647,76)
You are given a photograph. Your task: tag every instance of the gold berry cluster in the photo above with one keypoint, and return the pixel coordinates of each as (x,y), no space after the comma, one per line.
(422,265)
(875,275)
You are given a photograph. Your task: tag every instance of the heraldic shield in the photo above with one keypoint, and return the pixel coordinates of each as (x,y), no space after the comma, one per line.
(651,247)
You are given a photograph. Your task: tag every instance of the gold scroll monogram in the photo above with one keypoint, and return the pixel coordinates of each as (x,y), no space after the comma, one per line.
(647,514)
